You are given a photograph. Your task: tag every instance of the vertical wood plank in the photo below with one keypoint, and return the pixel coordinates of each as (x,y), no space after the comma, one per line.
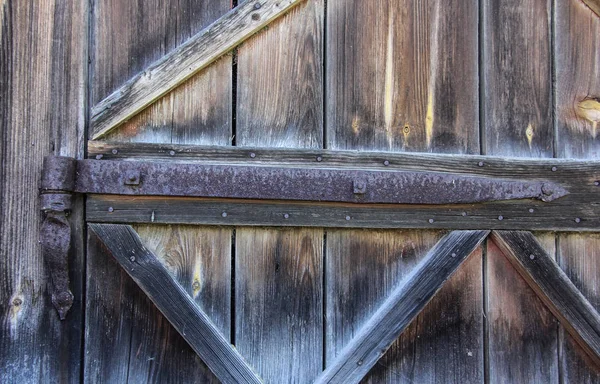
(522,332)
(42,107)
(279,302)
(577,36)
(579,257)
(128,36)
(517,113)
(402,77)
(199,258)
(278,296)
(517,78)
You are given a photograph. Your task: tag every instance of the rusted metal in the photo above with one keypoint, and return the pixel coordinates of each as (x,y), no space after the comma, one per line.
(58,182)
(302,184)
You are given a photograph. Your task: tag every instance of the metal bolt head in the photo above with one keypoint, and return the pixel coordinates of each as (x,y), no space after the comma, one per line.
(453,254)
(110,209)
(500,217)
(481,164)
(224,214)
(319,158)
(360,187)
(114,151)
(257,5)
(252,155)
(132,259)
(464,213)
(597,183)
(172,153)
(431,221)
(531,210)
(347,217)
(286,215)
(360,362)
(532,256)
(554,169)
(577,220)
(98,157)
(17,302)
(196,285)
(386,163)
(547,189)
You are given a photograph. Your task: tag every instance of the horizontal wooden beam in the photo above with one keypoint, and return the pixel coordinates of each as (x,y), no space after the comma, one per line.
(177,66)
(170,210)
(553,286)
(578,211)
(403,305)
(177,306)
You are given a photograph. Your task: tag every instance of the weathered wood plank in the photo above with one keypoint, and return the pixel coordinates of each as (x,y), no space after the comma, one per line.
(594,5)
(177,66)
(521,331)
(196,112)
(517,78)
(402,76)
(577,38)
(280,104)
(579,257)
(553,286)
(42,108)
(175,303)
(577,54)
(143,209)
(279,302)
(401,307)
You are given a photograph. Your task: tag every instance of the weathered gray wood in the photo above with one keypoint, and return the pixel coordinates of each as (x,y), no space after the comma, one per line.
(189,58)
(521,331)
(403,304)
(553,286)
(579,257)
(126,209)
(42,108)
(517,78)
(174,302)
(279,293)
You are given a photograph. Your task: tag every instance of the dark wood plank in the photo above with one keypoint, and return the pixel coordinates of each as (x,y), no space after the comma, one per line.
(402,76)
(553,286)
(579,257)
(279,322)
(517,78)
(178,65)
(175,303)
(522,333)
(279,302)
(42,108)
(401,307)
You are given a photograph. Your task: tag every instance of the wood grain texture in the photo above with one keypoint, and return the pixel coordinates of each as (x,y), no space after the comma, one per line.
(279,293)
(196,112)
(579,257)
(42,106)
(178,65)
(279,302)
(401,306)
(553,287)
(402,76)
(279,82)
(594,5)
(517,78)
(578,113)
(522,333)
(175,303)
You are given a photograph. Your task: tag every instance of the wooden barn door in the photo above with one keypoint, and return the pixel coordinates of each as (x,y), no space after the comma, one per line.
(464,77)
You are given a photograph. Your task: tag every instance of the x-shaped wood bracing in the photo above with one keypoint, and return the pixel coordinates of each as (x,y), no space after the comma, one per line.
(405,302)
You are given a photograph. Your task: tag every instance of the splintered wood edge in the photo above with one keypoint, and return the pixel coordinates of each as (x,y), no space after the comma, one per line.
(123,242)
(179,65)
(553,287)
(405,302)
